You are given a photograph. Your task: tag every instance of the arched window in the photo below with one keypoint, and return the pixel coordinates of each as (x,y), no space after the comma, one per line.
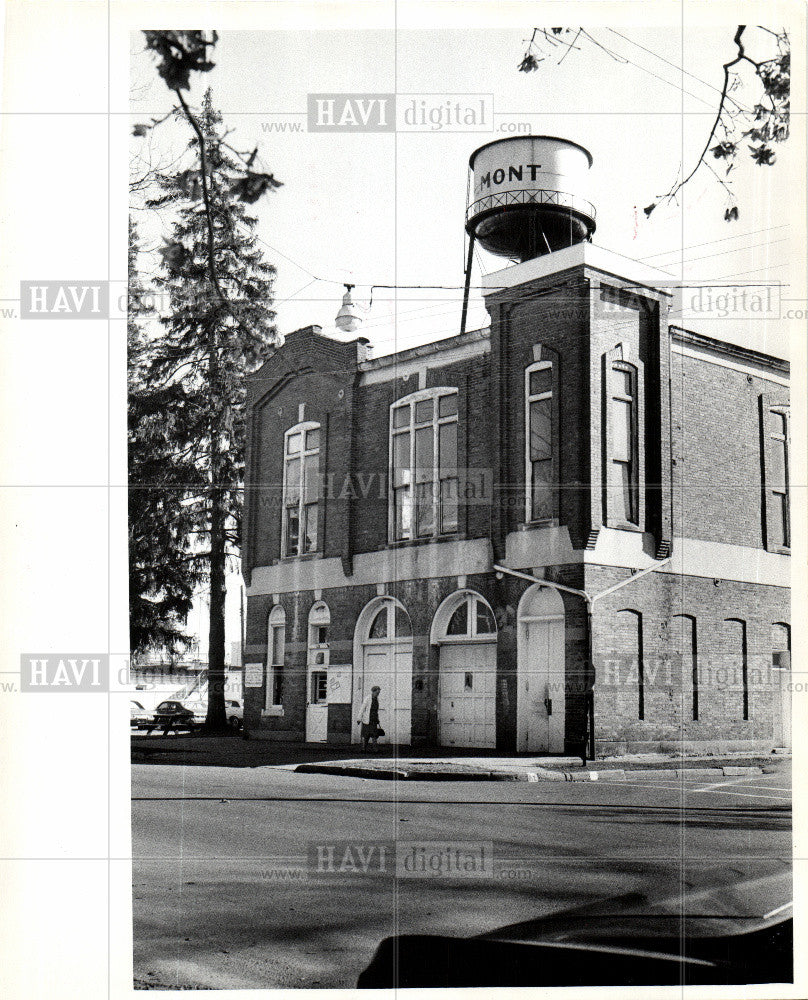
(301,474)
(781,645)
(777,473)
(540,432)
(685,643)
(623,498)
(464,617)
(276,655)
(318,652)
(627,639)
(423,464)
(319,620)
(735,643)
(389,621)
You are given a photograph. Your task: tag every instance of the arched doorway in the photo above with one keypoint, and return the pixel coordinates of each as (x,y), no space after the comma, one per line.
(317,656)
(541,676)
(465,631)
(383,651)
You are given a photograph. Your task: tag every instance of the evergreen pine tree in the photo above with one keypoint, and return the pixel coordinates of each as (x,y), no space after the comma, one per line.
(216,329)
(163,570)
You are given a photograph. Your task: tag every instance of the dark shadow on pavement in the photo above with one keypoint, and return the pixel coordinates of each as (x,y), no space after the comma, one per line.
(235,751)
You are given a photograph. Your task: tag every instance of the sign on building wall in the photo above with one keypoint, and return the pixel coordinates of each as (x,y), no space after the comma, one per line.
(253,675)
(339,683)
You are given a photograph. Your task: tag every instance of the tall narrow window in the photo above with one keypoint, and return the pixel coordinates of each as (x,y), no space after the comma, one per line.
(539,438)
(781,646)
(777,478)
(737,659)
(423,465)
(623,459)
(685,647)
(301,473)
(276,653)
(318,653)
(628,642)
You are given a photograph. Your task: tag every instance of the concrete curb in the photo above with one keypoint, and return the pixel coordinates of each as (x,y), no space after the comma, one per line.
(540,774)
(400,774)
(669,774)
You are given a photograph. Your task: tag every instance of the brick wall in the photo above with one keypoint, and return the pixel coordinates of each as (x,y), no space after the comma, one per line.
(716,450)
(667,605)
(706,437)
(558,320)
(321,373)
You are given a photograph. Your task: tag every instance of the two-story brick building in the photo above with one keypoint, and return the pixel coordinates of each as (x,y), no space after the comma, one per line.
(471,523)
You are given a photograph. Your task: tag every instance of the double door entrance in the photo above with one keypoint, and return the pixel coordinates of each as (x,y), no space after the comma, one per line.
(467,710)
(388,665)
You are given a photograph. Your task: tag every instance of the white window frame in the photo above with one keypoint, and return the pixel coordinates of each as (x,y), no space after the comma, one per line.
(302,455)
(318,653)
(276,620)
(470,598)
(529,399)
(617,395)
(437,422)
(778,660)
(392,606)
(781,492)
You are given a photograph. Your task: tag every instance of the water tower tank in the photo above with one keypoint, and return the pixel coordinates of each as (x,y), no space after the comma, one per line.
(528,196)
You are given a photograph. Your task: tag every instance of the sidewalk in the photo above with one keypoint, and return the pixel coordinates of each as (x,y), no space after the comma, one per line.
(433,763)
(642,767)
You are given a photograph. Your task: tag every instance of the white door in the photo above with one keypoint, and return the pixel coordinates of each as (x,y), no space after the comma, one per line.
(388,665)
(468,694)
(317,707)
(540,687)
(781,678)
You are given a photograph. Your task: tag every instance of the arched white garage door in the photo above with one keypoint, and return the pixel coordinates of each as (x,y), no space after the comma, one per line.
(540,693)
(466,632)
(384,645)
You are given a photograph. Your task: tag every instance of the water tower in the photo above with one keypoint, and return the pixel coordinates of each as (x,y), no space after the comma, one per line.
(529,196)
(527,199)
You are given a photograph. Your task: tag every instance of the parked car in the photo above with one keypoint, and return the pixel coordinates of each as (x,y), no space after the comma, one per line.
(172,715)
(199,709)
(139,718)
(235,713)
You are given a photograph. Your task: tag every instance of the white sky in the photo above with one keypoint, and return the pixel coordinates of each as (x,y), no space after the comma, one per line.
(389,208)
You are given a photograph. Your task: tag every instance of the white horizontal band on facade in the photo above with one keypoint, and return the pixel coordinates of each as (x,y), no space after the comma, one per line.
(690,557)
(578,255)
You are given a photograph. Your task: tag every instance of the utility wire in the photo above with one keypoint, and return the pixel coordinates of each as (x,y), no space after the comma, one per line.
(723,239)
(679,69)
(662,79)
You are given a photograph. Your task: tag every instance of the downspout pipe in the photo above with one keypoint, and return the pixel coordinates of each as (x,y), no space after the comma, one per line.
(544,583)
(590,601)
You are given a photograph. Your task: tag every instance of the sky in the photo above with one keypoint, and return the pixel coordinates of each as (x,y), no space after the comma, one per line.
(388,208)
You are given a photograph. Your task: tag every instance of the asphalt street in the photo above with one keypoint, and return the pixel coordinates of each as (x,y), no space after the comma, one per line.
(261,877)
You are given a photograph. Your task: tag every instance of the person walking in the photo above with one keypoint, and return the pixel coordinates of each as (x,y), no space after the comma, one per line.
(369,719)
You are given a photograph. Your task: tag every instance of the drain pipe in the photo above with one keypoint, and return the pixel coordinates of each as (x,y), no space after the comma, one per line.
(544,583)
(590,600)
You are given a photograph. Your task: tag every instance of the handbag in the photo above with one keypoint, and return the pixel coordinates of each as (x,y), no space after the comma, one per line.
(380,731)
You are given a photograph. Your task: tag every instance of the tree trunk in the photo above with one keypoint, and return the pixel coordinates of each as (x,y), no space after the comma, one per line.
(216,721)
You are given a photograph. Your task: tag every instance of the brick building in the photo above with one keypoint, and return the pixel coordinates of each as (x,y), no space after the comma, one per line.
(472,523)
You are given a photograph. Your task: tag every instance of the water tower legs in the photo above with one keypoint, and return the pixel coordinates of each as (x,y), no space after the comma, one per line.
(467,286)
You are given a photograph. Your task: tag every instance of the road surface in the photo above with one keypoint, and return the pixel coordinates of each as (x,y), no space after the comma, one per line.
(253,878)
